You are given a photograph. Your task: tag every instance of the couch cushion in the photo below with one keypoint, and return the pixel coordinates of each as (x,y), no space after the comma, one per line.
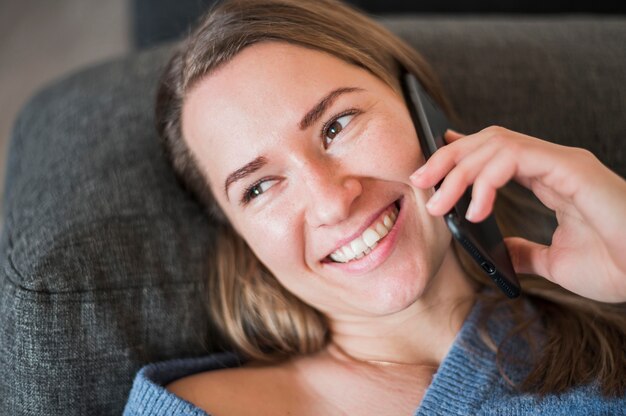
(560,79)
(103,255)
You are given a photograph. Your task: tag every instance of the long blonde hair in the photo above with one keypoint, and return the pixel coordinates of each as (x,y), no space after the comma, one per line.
(585,339)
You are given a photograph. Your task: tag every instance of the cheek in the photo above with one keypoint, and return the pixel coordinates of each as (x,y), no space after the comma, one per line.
(278,244)
(393,148)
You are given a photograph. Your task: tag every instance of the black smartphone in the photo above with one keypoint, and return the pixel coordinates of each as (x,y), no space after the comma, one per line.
(483,241)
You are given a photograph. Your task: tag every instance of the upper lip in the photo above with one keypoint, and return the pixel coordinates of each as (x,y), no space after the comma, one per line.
(359,231)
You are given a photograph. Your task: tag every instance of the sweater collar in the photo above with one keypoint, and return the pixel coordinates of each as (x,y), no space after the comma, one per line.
(469,370)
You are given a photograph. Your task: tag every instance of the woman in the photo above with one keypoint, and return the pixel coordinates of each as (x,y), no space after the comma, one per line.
(336,280)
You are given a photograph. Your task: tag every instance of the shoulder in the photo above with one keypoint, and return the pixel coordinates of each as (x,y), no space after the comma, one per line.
(236,391)
(148,395)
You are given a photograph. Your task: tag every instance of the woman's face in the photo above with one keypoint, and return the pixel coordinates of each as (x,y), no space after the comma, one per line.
(332,147)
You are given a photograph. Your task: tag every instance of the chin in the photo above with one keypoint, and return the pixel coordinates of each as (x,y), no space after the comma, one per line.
(392,297)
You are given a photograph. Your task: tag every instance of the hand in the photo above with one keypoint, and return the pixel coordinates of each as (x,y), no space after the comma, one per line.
(588,251)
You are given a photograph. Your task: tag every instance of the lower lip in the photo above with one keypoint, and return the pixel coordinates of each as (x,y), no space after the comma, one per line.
(377,256)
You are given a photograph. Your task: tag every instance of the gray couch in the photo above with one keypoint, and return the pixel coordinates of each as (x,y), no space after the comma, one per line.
(103,256)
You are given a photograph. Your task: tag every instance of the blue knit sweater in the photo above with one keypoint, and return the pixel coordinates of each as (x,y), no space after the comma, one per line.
(466,383)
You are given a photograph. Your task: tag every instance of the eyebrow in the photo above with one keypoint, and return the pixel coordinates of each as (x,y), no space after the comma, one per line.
(309,118)
(318,109)
(244,171)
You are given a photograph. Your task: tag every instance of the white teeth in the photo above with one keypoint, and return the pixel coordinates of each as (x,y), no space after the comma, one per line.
(370,237)
(338,257)
(358,245)
(387,221)
(347,252)
(364,244)
(381,230)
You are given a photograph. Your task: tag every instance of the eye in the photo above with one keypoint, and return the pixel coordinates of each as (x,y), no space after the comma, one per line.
(255,190)
(335,126)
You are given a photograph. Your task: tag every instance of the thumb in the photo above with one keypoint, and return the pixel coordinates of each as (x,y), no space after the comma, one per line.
(528,257)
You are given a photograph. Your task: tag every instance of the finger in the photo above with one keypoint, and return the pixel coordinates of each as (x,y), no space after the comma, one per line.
(451,135)
(481,205)
(460,177)
(497,171)
(442,161)
(528,257)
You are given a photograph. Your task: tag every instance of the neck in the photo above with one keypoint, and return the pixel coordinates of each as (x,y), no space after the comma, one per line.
(420,334)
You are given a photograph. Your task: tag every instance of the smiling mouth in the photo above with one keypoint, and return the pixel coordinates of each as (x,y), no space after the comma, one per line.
(369,239)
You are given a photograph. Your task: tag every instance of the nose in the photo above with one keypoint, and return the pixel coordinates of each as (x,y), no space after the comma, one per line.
(329,193)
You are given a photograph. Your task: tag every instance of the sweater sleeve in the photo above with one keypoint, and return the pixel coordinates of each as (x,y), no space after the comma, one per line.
(149,397)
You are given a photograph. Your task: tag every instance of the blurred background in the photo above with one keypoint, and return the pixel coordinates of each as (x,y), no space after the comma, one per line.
(43,40)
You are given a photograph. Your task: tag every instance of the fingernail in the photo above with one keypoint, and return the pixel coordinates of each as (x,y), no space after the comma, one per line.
(470,214)
(418,172)
(433,200)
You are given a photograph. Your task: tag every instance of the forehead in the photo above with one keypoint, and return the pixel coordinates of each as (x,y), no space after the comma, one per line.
(255,100)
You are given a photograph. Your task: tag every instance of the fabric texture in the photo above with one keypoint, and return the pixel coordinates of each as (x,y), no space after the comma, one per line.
(103,256)
(466,383)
